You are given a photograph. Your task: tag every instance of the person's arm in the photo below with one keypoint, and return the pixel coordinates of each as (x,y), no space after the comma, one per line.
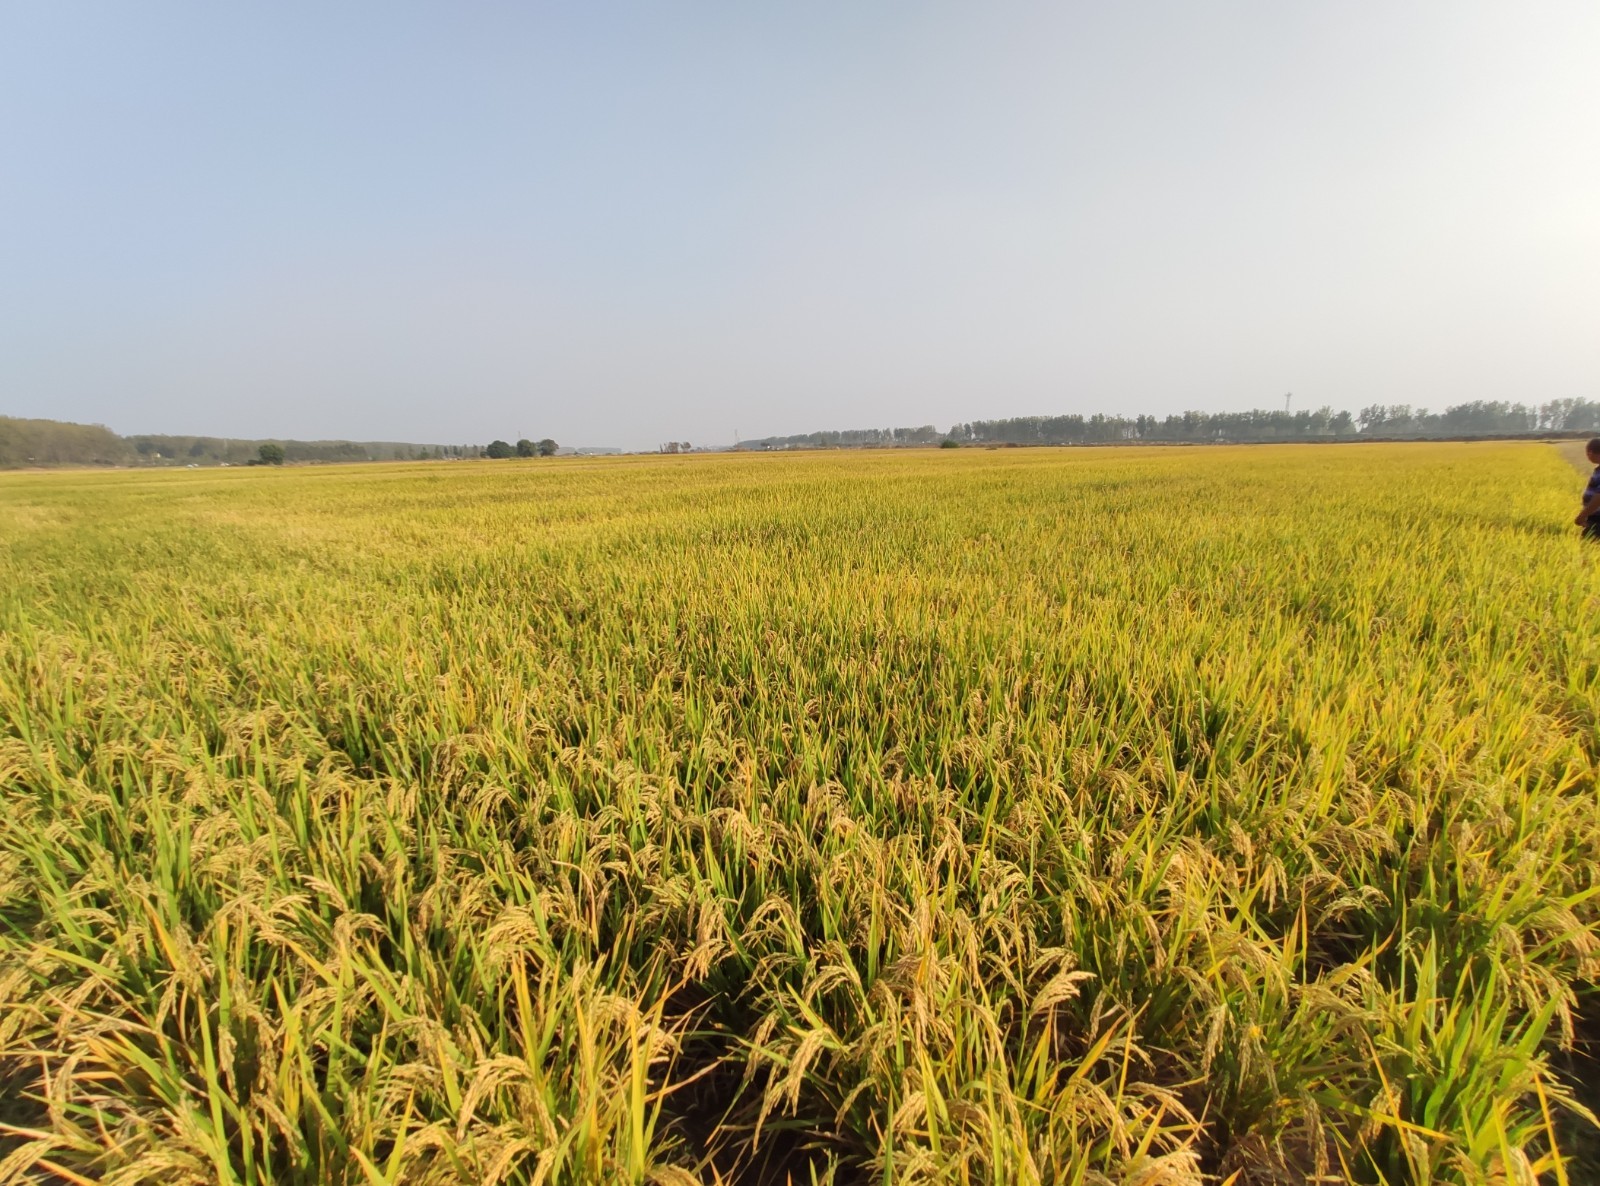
(1591,506)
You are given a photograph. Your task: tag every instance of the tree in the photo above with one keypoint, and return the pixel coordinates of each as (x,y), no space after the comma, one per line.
(498,450)
(270,454)
(547,448)
(526,448)
(1570,415)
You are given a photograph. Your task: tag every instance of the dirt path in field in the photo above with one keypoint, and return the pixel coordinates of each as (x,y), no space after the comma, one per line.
(1573,452)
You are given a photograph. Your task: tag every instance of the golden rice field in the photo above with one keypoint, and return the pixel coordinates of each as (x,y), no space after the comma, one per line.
(1136,816)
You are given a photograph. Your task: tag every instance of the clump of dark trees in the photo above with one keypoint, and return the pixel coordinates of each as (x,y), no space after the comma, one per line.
(1480,418)
(523,448)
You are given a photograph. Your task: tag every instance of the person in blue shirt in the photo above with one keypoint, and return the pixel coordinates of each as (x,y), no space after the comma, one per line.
(1589,517)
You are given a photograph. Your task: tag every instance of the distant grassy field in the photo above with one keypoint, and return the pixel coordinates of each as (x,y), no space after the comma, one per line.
(1144,816)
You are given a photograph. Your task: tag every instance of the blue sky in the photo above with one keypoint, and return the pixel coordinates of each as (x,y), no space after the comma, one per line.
(622,224)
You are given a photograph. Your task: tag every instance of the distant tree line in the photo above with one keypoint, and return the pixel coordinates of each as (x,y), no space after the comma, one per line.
(56,442)
(153,449)
(1478,418)
(851,438)
(1186,426)
(51,442)
(1481,418)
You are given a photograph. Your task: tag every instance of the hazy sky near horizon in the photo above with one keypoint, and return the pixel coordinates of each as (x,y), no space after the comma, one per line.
(629,223)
